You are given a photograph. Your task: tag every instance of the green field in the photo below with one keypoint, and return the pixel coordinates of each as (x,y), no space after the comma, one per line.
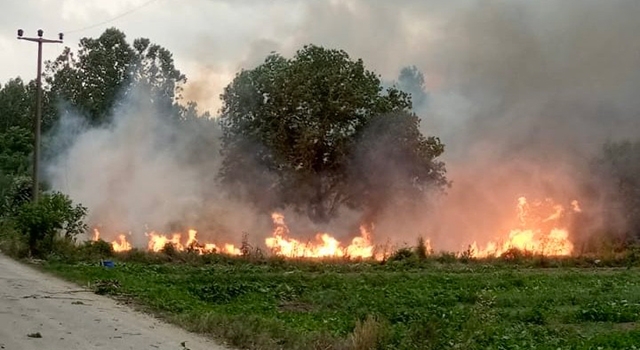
(278,304)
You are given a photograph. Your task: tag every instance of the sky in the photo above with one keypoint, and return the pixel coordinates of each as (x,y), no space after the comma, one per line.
(211,40)
(487,63)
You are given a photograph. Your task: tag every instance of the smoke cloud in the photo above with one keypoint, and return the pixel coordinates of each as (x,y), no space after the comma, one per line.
(533,90)
(523,94)
(145,171)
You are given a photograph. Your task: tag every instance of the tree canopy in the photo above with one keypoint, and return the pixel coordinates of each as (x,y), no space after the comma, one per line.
(107,68)
(16,105)
(294,132)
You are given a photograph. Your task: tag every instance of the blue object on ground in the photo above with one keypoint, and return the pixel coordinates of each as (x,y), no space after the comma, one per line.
(107,263)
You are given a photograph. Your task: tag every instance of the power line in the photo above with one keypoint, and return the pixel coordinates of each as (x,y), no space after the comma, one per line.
(128,12)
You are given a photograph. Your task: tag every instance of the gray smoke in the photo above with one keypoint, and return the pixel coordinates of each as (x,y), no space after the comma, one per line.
(529,93)
(522,93)
(144,171)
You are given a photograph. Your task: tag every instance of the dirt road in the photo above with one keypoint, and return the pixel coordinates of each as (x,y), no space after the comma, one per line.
(38,311)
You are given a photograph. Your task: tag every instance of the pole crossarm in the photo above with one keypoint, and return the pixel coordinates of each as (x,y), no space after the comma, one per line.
(38,117)
(41,40)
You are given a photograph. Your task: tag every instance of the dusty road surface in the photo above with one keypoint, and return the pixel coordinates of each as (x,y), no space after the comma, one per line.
(34,304)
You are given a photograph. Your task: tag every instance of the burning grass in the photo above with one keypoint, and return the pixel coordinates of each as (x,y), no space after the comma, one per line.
(440,301)
(541,227)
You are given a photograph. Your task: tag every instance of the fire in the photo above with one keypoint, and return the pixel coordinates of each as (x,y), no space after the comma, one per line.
(325,245)
(538,231)
(541,229)
(157,241)
(121,244)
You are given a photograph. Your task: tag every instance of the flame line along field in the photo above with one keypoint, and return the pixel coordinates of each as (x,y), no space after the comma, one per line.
(541,230)
(280,304)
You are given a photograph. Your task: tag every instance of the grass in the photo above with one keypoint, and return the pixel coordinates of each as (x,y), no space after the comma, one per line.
(412,300)
(272,303)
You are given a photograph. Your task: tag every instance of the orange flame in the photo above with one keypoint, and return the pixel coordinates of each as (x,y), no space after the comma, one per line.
(158,241)
(540,231)
(532,236)
(121,244)
(325,245)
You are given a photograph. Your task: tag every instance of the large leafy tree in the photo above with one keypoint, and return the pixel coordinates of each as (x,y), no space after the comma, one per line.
(154,68)
(91,80)
(291,129)
(106,69)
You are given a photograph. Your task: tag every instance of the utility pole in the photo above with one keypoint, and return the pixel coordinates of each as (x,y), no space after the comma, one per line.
(36,125)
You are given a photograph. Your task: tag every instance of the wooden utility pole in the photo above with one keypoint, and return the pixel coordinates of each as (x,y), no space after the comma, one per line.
(36,125)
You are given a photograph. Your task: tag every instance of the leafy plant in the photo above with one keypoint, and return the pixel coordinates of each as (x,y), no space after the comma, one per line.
(54,214)
(421,249)
(402,254)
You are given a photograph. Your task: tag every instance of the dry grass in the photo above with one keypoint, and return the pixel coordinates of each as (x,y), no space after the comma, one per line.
(368,334)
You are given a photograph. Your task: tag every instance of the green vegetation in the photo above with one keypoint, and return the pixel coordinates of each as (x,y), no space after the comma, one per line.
(272,303)
(53,217)
(90,84)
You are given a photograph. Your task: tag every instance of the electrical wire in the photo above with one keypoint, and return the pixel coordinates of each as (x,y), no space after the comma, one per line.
(128,12)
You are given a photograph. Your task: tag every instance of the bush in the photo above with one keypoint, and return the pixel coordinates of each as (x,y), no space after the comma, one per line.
(12,242)
(422,251)
(54,214)
(369,334)
(402,254)
(99,249)
(447,258)
(14,193)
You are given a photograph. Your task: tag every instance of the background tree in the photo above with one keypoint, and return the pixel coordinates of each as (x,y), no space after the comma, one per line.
(411,81)
(154,69)
(291,127)
(16,144)
(618,176)
(16,105)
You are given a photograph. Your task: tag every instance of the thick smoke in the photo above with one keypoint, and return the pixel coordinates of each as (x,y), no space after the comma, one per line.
(145,171)
(522,93)
(542,86)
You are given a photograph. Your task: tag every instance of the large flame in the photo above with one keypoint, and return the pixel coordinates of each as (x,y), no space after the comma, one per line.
(325,245)
(541,229)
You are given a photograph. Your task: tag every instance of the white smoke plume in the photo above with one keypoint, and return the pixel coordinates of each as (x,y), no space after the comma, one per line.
(144,172)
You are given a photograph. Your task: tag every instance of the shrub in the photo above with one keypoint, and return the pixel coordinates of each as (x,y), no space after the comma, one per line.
(369,334)
(54,214)
(421,249)
(402,254)
(12,242)
(96,249)
(14,193)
